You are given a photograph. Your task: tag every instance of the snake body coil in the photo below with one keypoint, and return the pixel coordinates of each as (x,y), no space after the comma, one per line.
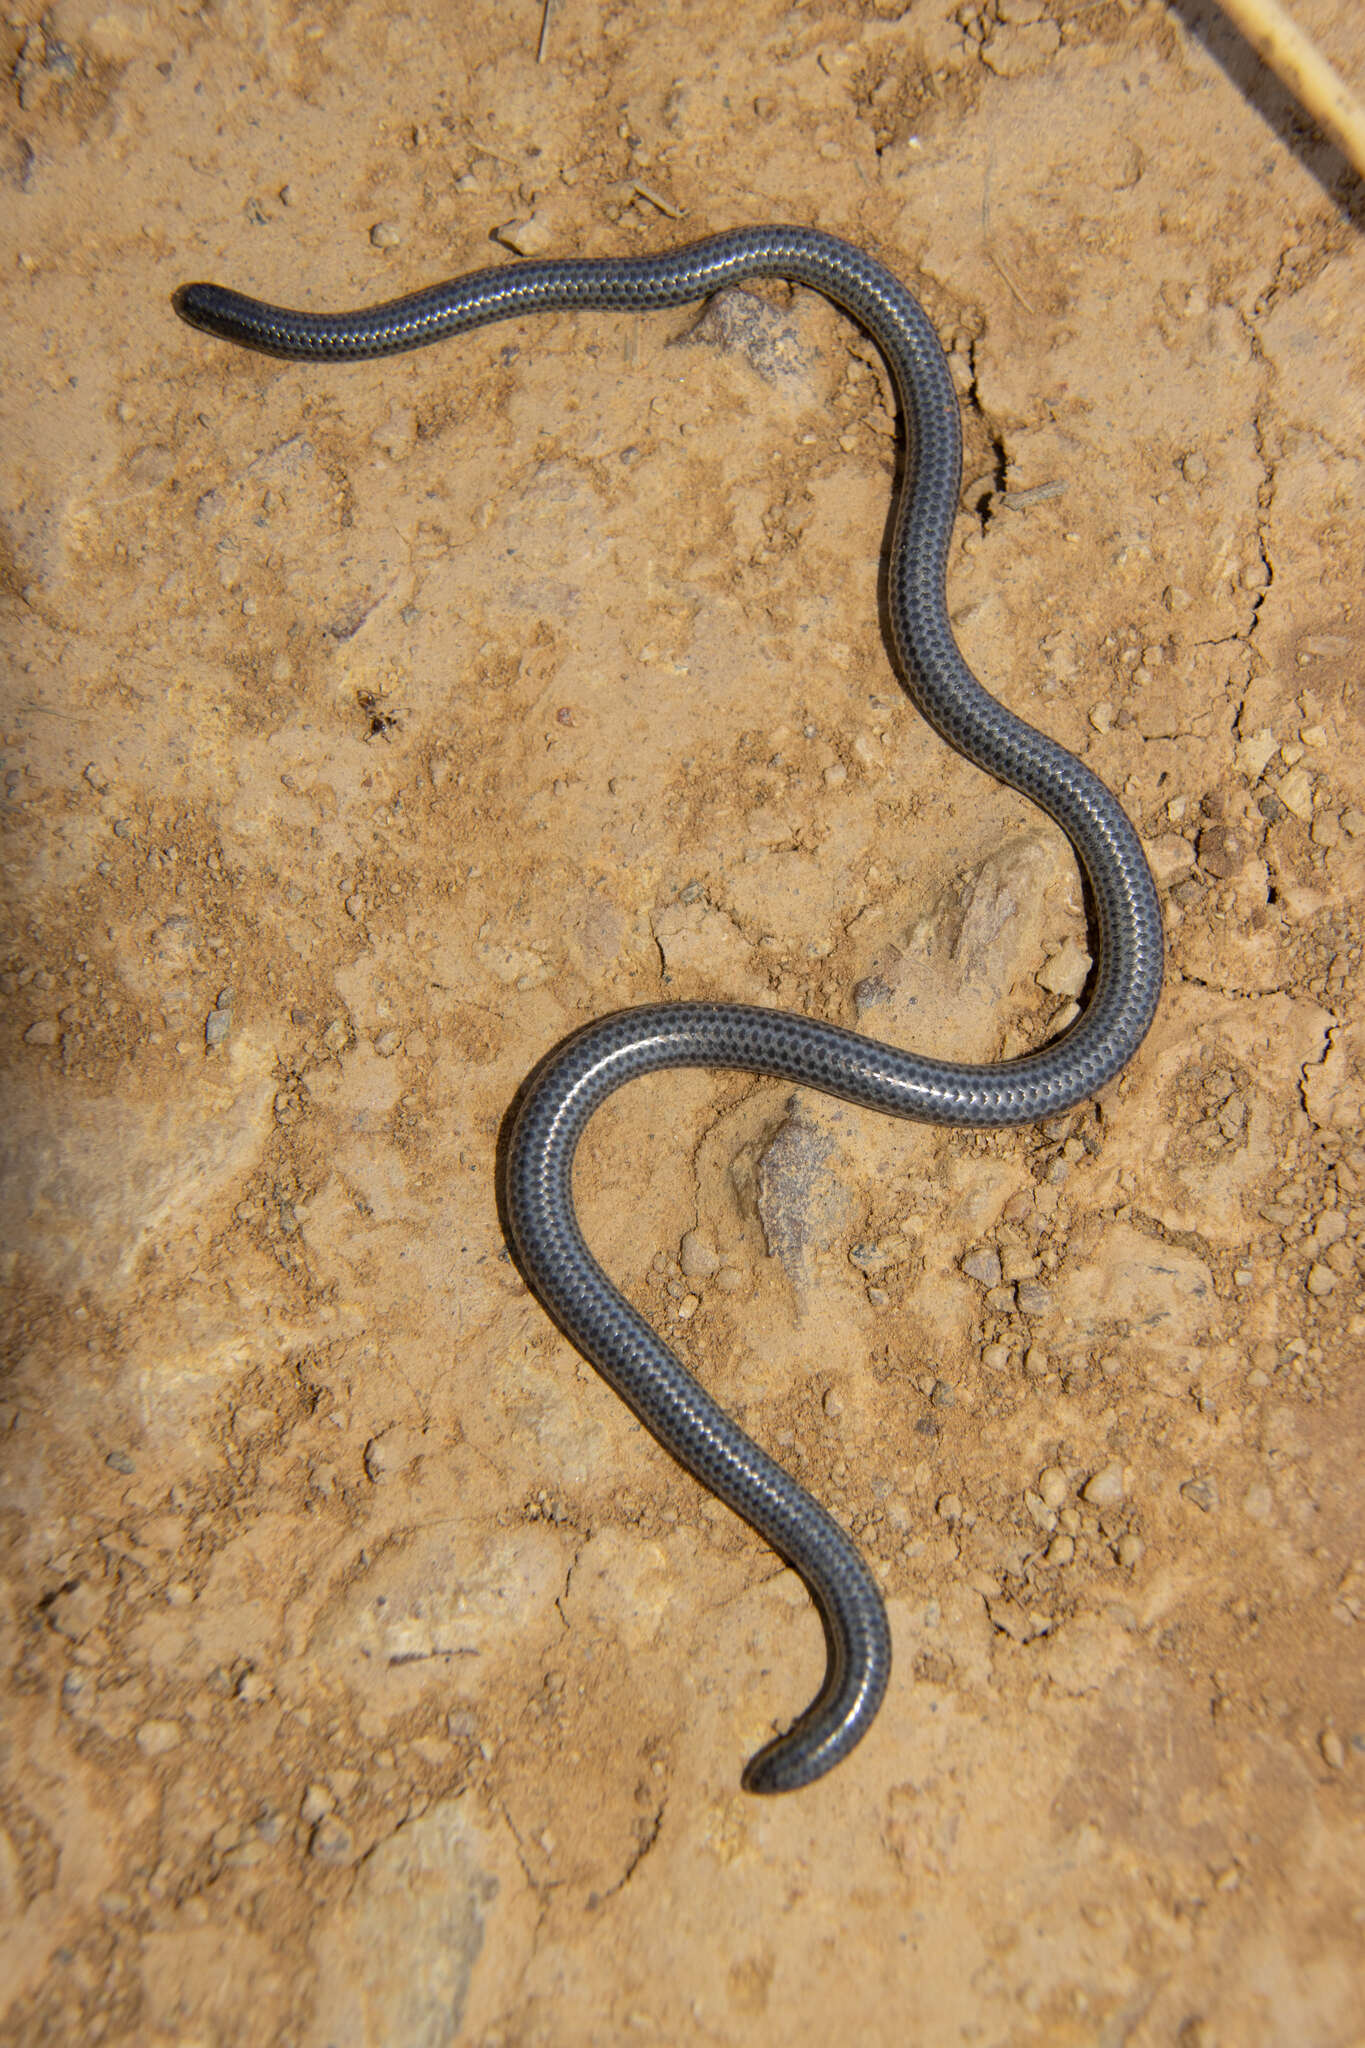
(581,1073)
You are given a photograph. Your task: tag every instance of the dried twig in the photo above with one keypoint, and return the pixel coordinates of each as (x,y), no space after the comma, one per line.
(1014,285)
(546,14)
(486,149)
(647,193)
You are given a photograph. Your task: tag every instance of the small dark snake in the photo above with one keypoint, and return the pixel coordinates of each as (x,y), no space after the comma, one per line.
(582,1072)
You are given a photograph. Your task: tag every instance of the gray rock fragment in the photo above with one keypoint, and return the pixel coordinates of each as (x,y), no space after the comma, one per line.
(739,323)
(801,1205)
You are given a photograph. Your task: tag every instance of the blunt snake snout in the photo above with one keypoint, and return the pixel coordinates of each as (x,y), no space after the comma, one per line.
(582,1072)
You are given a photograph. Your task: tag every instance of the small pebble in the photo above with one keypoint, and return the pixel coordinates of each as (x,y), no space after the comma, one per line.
(156,1738)
(78,1693)
(1067,972)
(1105,1489)
(387,1044)
(1333,1749)
(1033,1299)
(949,1507)
(530,237)
(1130,1550)
(386,234)
(1052,1486)
(75,1612)
(688,1307)
(995,1357)
(332,1843)
(869,1258)
(983,1266)
(1061,1550)
(1321,1280)
(45,1032)
(317,1804)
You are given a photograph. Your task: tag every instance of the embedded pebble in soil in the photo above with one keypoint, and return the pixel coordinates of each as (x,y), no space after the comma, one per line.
(1105,1488)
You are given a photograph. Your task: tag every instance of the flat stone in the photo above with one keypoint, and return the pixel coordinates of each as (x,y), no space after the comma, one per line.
(86,1182)
(697,939)
(1166,1293)
(423,1895)
(698,1257)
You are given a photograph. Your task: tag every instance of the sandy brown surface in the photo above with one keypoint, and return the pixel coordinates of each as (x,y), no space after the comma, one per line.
(371,1677)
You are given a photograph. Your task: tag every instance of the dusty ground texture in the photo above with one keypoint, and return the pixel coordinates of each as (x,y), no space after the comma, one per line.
(372,1678)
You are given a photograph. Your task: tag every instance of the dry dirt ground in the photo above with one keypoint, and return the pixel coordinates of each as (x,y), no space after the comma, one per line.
(371,1677)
